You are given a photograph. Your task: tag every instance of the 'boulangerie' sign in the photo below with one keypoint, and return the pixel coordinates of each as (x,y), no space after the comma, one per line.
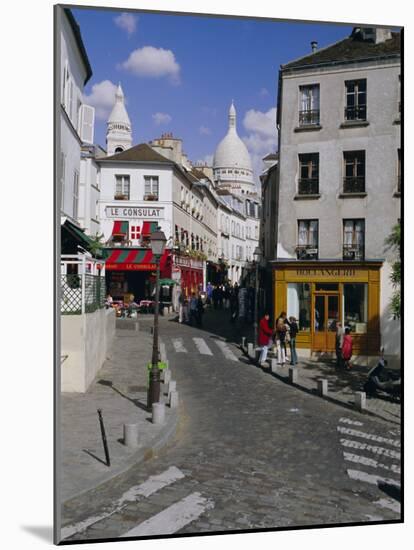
(136,212)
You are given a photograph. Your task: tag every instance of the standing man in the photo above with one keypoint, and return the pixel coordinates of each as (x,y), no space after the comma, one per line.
(193,309)
(265,338)
(339,338)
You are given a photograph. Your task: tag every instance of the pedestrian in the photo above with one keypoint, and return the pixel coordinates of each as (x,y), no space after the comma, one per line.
(200,311)
(293,330)
(220,296)
(214,297)
(193,309)
(339,338)
(281,330)
(234,305)
(265,338)
(181,300)
(347,348)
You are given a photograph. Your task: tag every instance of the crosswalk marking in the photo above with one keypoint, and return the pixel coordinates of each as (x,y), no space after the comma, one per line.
(202,346)
(377,438)
(393,505)
(145,489)
(179,345)
(371,448)
(228,354)
(371,462)
(173,518)
(371,478)
(349,421)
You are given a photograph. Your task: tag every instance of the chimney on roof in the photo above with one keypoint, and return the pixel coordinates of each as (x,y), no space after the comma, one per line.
(314,46)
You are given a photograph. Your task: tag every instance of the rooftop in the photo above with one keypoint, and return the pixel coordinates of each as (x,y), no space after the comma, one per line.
(138,153)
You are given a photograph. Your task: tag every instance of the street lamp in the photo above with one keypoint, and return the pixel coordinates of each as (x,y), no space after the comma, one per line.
(257,254)
(158,241)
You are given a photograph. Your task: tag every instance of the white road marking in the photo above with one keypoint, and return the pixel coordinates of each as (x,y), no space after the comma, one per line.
(173,518)
(202,346)
(390,504)
(377,438)
(371,448)
(150,486)
(228,354)
(371,462)
(371,478)
(179,345)
(349,421)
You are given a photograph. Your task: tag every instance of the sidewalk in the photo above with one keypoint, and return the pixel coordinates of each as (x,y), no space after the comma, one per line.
(120,391)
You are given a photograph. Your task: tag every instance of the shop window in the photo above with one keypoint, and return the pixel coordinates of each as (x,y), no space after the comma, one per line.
(356,307)
(354,239)
(299,304)
(309,174)
(309,105)
(122,187)
(307,247)
(151,188)
(356,99)
(354,168)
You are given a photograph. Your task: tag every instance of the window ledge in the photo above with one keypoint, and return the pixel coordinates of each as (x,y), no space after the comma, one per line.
(301,197)
(352,195)
(397,194)
(308,128)
(354,124)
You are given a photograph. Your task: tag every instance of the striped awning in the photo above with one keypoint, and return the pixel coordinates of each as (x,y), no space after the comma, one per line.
(120,228)
(148,228)
(133,259)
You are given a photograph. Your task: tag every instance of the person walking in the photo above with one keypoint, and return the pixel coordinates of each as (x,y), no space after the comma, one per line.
(281,330)
(347,348)
(265,338)
(181,300)
(193,309)
(339,338)
(200,311)
(293,330)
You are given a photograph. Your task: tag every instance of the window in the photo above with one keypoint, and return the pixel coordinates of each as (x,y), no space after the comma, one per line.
(75,194)
(182,235)
(307,240)
(356,307)
(309,105)
(151,188)
(299,304)
(354,239)
(309,174)
(122,187)
(62,179)
(135,232)
(356,99)
(354,167)
(119,149)
(177,235)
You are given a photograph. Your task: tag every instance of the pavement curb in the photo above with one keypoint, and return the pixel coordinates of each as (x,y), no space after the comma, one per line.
(314,392)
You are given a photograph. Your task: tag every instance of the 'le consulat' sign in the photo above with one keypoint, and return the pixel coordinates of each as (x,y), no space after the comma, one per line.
(136,212)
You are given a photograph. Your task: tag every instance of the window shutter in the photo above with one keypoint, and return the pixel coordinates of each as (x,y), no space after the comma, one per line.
(87,120)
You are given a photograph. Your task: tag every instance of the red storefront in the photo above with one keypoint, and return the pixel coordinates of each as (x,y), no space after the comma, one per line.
(189,272)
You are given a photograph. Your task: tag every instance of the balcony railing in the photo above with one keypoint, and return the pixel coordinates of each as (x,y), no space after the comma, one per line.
(355,184)
(308,117)
(357,112)
(353,252)
(308,186)
(307,252)
(81,293)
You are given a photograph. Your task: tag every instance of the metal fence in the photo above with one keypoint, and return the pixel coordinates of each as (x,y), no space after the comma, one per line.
(81,293)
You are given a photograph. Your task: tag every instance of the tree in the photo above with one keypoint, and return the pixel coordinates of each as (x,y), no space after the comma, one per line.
(393,242)
(96,245)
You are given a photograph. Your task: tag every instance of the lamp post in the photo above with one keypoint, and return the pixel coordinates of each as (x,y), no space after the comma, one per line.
(257,257)
(158,241)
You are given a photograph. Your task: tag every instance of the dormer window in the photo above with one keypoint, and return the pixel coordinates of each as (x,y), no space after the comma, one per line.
(119,150)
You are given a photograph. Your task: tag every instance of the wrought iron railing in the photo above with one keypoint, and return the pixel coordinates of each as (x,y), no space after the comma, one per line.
(307,252)
(81,293)
(357,112)
(308,186)
(353,252)
(308,117)
(355,184)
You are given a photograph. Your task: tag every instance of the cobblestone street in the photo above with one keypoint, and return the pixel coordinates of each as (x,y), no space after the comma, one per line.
(250,452)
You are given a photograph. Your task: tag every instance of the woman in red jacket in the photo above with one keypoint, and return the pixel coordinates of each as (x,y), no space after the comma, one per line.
(265,337)
(347,348)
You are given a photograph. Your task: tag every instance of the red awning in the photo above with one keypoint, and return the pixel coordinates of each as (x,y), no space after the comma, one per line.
(133,259)
(148,228)
(120,228)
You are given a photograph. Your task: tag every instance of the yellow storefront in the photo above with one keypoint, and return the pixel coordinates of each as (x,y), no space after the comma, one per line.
(319,295)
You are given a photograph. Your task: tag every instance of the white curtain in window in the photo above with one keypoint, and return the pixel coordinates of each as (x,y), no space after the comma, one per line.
(293,300)
(313,233)
(315,98)
(359,232)
(303,233)
(348,232)
(305,99)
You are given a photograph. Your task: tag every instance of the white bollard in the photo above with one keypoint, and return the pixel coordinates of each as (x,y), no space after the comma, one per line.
(293,375)
(251,352)
(360,400)
(172,386)
(243,342)
(173,399)
(273,365)
(322,387)
(131,435)
(167,376)
(158,413)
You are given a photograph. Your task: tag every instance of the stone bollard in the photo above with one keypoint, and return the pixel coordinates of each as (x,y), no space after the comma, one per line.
(131,435)
(167,376)
(273,365)
(172,386)
(322,387)
(251,352)
(293,375)
(173,399)
(158,413)
(360,400)
(243,344)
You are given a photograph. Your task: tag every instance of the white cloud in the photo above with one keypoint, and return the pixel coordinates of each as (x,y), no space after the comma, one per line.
(262,136)
(126,22)
(102,98)
(153,62)
(161,118)
(261,123)
(204,131)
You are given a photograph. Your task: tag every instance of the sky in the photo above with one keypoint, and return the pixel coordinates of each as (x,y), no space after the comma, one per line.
(180,73)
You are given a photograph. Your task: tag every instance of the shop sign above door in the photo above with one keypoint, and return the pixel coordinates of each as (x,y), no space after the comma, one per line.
(135,212)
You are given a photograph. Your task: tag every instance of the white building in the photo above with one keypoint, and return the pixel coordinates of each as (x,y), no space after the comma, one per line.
(338,193)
